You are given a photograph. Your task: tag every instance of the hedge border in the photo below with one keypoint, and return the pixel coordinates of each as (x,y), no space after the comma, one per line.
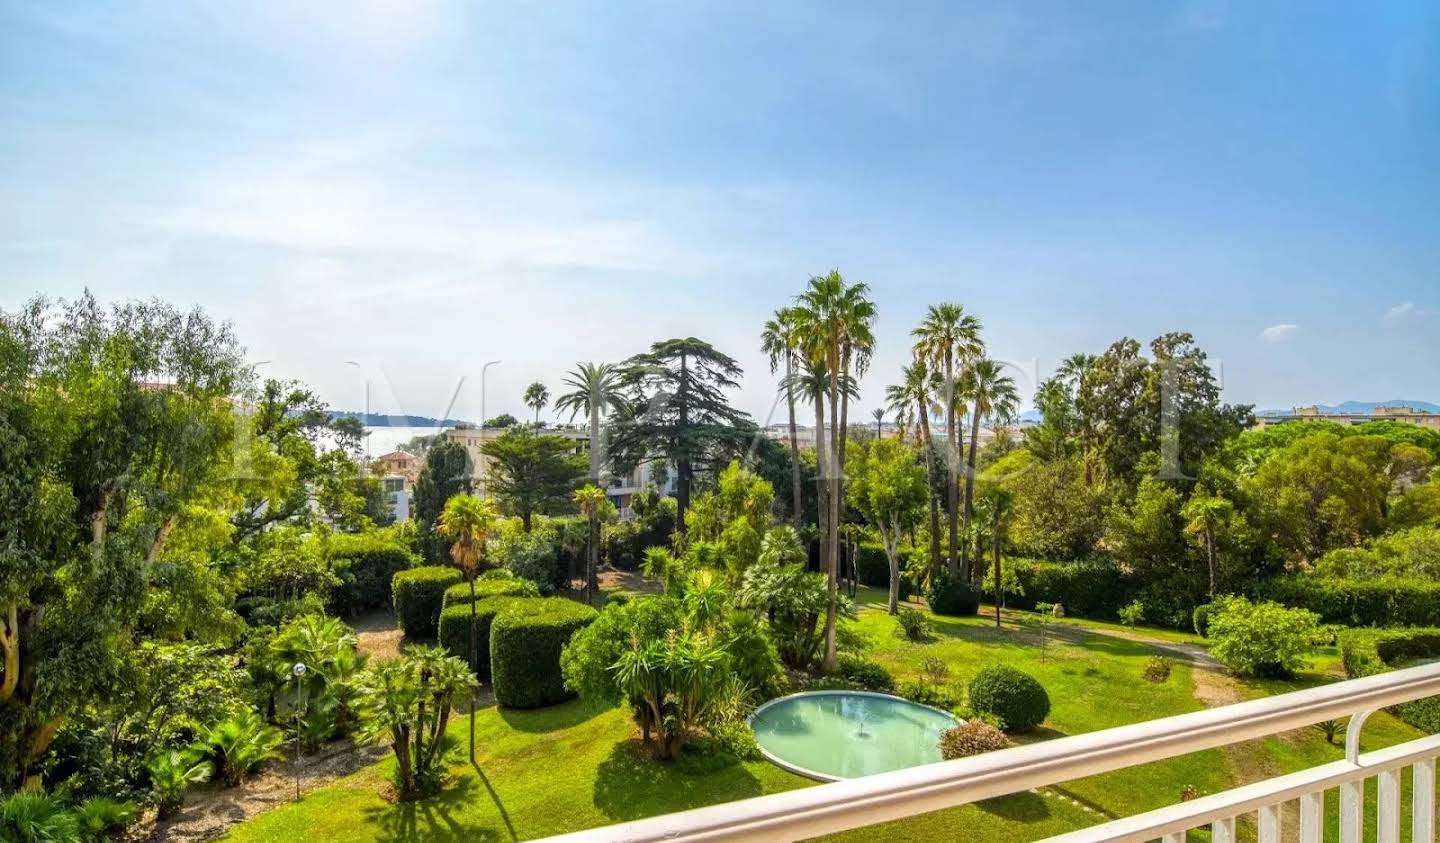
(525,643)
(454,631)
(419,594)
(1366,652)
(459,594)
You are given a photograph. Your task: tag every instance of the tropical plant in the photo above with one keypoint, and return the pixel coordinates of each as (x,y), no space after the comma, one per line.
(1205,514)
(913,624)
(239,745)
(591,500)
(28,817)
(781,343)
(172,772)
(915,394)
(469,521)
(101,816)
(595,390)
(408,702)
(672,684)
(991,395)
(537,395)
(948,339)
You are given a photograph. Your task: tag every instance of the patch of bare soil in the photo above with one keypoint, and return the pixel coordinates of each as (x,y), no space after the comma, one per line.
(379,636)
(630,582)
(210,811)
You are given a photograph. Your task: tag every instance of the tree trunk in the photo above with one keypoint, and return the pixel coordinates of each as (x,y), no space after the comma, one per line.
(952,469)
(592,567)
(893,557)
(525,520)
(822,498)
(10,649)
(930,489)
(998,593)
(799,513)
(970,491)
(1210,554)
(474,665)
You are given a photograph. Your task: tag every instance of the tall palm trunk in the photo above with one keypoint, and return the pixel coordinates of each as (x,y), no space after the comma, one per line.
(998,594)
(794,441)
(822,508)
(970,488)
(952,467)
(832,568)
(929,446)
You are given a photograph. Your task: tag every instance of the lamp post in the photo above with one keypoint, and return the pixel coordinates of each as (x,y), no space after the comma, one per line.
(298,671)
(480,462)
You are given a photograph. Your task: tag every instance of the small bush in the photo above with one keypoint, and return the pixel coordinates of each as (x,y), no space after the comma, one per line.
(913,624)
(1133,613)
(1200,618)
(971,738)
(239,745)
(419,597)
(736,738)
(952,597)
(487,587)
(533,556)
(101,816)
(525,645)
(935,671)
(945,697)
(1157,669)
(1331,729)
(27,817)
(1260,639)
(866,674)
(1014,697)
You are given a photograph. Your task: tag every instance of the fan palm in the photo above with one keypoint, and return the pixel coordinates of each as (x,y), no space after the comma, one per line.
(781,343)
(595,391)
(537,395)
(591,500)
(948,339)
(991,394)
(469,520)
(917,389)
(1072,372)
(241,744)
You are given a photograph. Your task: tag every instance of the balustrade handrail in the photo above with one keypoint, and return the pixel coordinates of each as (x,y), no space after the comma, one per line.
(839,806)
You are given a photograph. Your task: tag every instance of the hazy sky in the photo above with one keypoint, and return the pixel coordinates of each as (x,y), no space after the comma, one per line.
(420,187)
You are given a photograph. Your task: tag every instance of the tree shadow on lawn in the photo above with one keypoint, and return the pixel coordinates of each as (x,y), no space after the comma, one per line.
(630,784)
(431,820)
(1024,807)
(553,718)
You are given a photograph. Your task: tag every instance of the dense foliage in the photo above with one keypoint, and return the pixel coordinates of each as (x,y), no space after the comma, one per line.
(419,597)
(526,639)
(1017,701)
(1260,639)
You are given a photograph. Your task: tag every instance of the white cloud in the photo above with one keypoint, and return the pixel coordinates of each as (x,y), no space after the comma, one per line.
(1406,310)
(1279,333)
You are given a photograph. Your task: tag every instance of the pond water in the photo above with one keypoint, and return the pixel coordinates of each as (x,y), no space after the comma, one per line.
(830,735)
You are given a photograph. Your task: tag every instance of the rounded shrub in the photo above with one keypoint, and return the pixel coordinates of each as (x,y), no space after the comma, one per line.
(1201,619)
(867,674)
(526,638)
(487,587)
(455,631)
(949,596)
(971,738)
(1014,698)
(419,596)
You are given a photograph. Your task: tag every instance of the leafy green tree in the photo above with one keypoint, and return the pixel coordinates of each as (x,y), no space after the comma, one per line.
(676,410)
(948,339)
(1317,496)
(1055,515)
(501,422)
(532,472)
(887,485)
(446,474)
(736,515)
(408,702)
(537,395)
(113,419)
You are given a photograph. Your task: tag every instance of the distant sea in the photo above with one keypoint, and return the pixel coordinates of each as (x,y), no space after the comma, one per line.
(383,440)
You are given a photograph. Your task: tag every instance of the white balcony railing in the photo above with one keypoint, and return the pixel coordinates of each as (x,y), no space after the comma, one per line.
(839,806)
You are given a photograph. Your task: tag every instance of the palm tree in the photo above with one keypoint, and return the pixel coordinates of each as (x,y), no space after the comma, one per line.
(537,395)
(836,322)
(949,338)
(468,520)
(781,343)
(1072,373)
(1204,514)
(991,394)
(591,500)
(596,391)
(997,504)
(917,388)
(878,414)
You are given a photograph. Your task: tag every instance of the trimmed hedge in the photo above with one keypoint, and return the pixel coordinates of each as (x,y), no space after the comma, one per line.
(1086,589)
(455,631)
(419,595)
(1375,603)
(366,565)
(525,644)
(459,594)
(1365,652)
(1201,619)
(1015,698)
(952,597)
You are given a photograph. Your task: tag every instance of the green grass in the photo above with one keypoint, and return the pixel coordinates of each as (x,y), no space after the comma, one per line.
(572,766)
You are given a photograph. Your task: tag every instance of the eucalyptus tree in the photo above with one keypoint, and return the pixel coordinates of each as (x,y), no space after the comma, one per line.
(836,322)
(113,421)
(992,395)
(596,392)
(948,339)
(676,409)
(918,387)
(781,343)
(537,395)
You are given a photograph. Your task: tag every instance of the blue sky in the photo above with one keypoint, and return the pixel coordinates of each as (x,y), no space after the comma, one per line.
(421,186)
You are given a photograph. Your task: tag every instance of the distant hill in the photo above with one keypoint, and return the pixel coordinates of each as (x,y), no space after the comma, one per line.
(384,420)
(1362,407)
